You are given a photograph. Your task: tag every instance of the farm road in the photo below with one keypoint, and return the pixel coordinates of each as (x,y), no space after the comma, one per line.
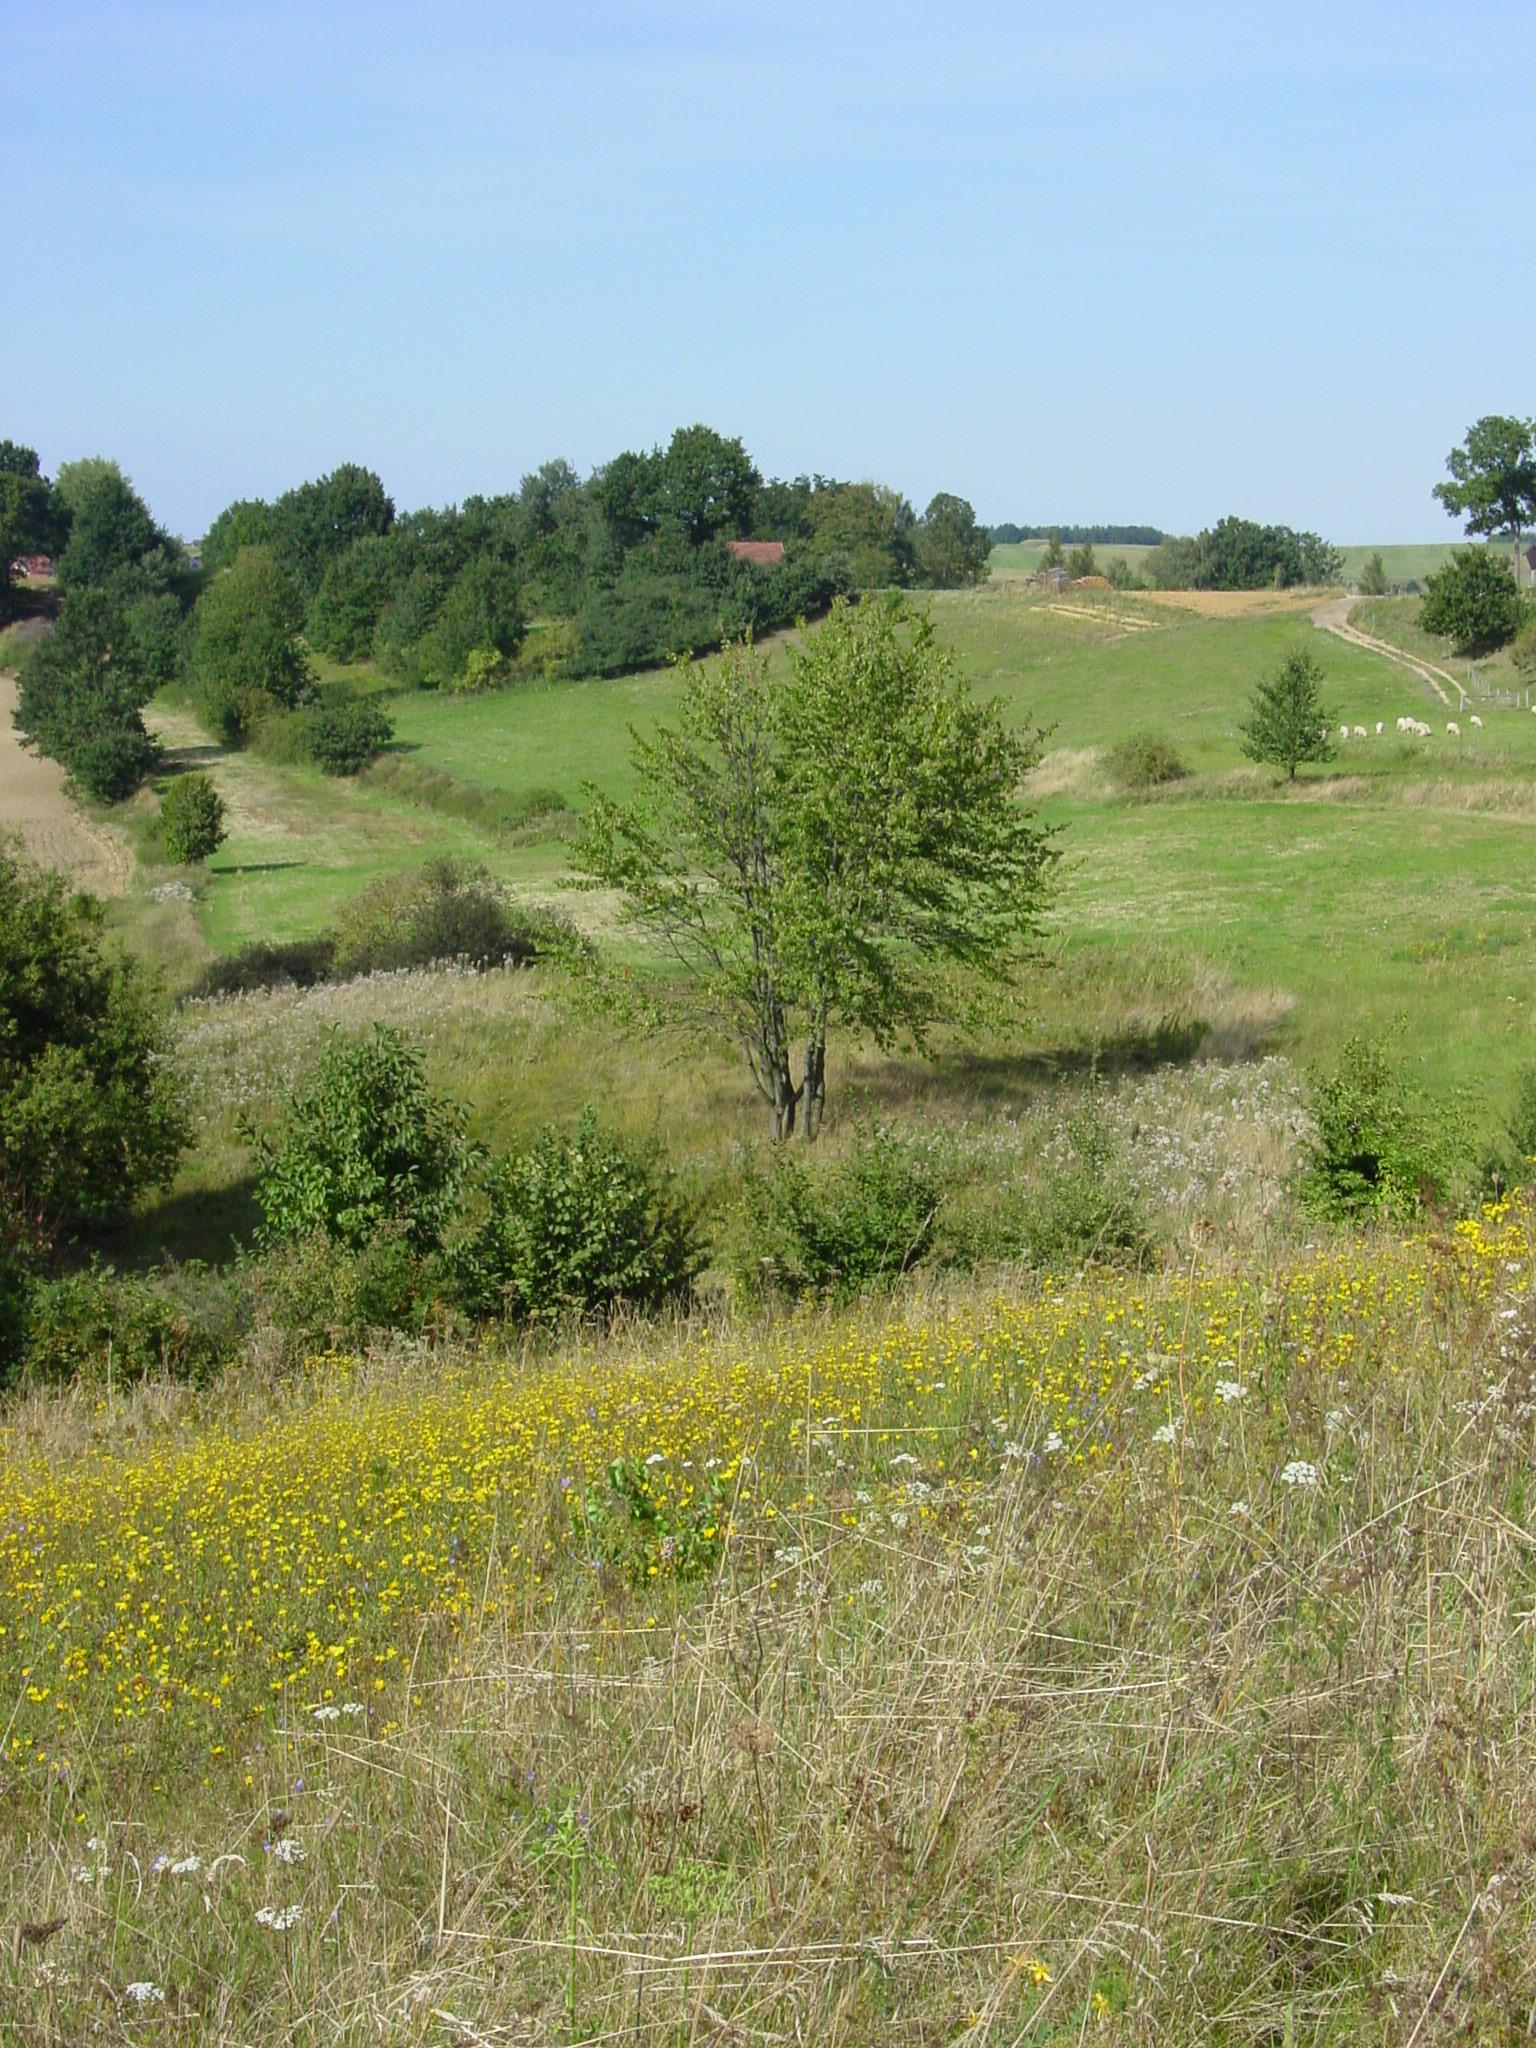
(55,832)
(1333,617)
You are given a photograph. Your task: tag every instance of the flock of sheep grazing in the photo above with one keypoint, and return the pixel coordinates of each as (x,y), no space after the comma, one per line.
(1413,727)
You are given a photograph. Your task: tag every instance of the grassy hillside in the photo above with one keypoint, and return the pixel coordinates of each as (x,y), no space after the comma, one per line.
(1113,1664)
(1387,890)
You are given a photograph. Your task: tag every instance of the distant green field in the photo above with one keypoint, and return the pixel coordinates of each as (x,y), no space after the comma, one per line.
(1404,561)
(1395,887)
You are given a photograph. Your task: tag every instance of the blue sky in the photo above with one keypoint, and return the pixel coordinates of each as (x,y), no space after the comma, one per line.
(1078,262)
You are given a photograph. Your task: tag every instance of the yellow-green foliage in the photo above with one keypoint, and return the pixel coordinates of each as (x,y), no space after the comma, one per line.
(1129,1664)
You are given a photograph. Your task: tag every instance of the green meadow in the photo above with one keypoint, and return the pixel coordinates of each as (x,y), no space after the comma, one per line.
(1389,890)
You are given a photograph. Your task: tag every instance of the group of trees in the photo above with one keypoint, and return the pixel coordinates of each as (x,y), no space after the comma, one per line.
(1239,554)
(624,569)
(1475,599)
(124,589)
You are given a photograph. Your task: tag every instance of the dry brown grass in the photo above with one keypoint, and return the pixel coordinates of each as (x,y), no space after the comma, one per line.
(1154,1750)
(1235,604)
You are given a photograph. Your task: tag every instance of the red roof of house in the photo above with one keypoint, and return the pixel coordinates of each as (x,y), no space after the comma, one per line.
(757,550)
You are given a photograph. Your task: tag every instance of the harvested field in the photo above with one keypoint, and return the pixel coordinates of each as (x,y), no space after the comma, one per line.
(1235,604)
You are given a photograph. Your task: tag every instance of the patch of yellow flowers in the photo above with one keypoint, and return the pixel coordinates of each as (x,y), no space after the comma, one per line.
(191,1592)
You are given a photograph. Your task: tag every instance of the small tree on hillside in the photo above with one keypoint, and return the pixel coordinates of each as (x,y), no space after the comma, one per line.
(1287,723)
(1373,577)
(1473,602)
(843,847)
(1082,562)
(192,819)
(1055,556)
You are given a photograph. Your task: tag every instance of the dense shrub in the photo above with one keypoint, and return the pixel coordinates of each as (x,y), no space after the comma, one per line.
(833,1231)
(313,1294)
(1145,760)
(191,819)
(364,1146)
(577,1222)
(447,910)
(89,1110)
(99,1323)
(1472,602)
(1522,649)
(343,737)
(1375,1152)
(109,764)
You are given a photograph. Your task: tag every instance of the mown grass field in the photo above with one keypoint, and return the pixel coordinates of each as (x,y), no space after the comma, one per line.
(1107,1662)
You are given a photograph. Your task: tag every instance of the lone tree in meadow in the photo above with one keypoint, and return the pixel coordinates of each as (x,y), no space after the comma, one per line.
(841,846)
(1287,723)
(1493,479)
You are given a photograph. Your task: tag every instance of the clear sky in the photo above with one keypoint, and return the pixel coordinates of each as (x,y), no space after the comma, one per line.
(1101,259)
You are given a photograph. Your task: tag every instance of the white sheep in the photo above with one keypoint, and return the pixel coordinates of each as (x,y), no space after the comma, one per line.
(1476,720)
(1381,726)
(1343,732)
(1360,732)
(1405,723)
(1453,728)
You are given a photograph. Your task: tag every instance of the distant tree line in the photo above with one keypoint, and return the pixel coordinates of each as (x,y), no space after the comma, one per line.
(566,576)
(618,571)
(1113,536)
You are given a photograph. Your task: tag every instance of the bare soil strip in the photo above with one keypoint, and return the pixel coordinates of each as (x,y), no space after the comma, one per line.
(1333,617)
(55,832)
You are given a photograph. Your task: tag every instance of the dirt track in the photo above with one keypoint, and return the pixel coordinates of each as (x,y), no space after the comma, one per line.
(55,832)
(1333,617)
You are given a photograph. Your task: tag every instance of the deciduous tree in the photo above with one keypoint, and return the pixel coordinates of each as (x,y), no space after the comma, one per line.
(846,846)
(1492,484)
(1287,723)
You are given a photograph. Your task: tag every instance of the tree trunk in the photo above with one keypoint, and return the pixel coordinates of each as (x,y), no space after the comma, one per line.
(786,1099)
(814,1086)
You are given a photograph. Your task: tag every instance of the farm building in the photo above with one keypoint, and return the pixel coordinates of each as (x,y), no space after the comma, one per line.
(763,552)
(34,567)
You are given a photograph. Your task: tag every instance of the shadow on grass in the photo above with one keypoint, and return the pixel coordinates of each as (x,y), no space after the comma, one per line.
(999,1080)
(204,1224)
(255,867)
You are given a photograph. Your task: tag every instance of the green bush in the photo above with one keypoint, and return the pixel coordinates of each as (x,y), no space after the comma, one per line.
(342,738)
(1374,1152)
(313,1294)
(109,764)
(577,1222)
(98,1322)
(1083,1208)
(90,1112)
(364,1146)
(1144,761)
(835,1231)
(1472,602)
(1522,649)
(447,910)
(191,819)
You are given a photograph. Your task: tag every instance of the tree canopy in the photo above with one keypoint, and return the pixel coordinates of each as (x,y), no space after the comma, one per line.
(1492,484)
